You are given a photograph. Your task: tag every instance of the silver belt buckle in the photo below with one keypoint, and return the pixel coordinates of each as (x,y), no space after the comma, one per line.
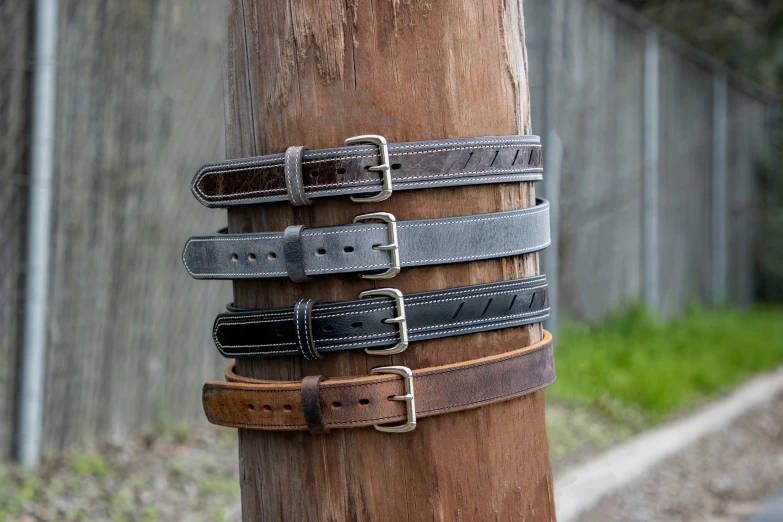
(393,247)
(407,375)
(400,320)
(385,167)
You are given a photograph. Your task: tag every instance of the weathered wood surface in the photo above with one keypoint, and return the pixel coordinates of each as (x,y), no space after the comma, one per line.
(315,73)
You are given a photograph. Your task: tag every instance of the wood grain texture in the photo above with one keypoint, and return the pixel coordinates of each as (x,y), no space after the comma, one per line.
(317,73)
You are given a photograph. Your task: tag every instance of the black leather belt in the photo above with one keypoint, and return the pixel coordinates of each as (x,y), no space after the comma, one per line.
(364,247)
(368,165)
(382,322)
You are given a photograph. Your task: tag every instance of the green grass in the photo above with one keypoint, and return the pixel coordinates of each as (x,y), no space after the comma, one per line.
(634,362)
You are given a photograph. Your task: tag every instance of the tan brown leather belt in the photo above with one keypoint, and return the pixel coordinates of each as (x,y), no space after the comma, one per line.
(390,394)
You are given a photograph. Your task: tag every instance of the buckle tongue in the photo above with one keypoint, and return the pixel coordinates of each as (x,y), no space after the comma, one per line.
(407,375)
(385,167)
(400,320)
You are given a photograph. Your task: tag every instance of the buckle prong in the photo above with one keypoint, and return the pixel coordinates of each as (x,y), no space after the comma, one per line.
(385,167)
(393,247)
(400,320)
(407,376)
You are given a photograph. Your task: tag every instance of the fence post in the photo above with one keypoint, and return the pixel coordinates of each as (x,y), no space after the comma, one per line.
(650,190)
(719,186)
(553,162)
(313,73)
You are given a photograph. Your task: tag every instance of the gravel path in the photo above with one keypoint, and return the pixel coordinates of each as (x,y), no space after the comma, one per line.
(723,478)
(190,477)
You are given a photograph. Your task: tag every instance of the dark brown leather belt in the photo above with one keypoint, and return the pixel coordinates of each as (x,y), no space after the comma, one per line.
(380,398)
(370,167)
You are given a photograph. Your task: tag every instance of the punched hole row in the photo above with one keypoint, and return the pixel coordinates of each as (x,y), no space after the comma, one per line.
(361,402)
(252,257)
(346,249)
(267,408)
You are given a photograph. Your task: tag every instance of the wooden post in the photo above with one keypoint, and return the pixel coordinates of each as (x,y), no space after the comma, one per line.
(314,72)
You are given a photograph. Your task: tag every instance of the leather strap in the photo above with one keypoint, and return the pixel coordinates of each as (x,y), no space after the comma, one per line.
(293,253)
(350,402)
(353,248)
(343,170)
(294,184)
(358,324)
(311,405)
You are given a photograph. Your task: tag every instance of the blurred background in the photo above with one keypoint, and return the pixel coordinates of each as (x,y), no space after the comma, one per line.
(661,129)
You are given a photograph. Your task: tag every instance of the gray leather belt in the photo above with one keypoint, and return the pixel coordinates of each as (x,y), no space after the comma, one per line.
(363,247)
(360,168)
(382,322)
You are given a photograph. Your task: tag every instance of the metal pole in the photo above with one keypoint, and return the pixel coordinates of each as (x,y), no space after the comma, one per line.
(38,235)
(650,249)
(719,187)
(553,162)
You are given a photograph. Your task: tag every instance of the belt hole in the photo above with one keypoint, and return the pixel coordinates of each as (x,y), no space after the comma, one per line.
(336,405)
(251,257)
(234,257)
(280,333)
(531,300)
(468,160)
(515,157)
(514,300)
(390,397)
(487,307)
(267,407)
(375,247)
(357,325)
(364,402)
(327,328)
(271,255)
(250,407)
(494,158)
(287,407)
(321,252)
(314,173)
(348,249)
(341,171)
(396,166)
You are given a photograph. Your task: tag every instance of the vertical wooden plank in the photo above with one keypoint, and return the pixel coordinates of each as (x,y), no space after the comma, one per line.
(320,72)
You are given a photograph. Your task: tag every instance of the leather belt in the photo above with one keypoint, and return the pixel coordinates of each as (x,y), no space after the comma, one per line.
(301,174)
(378,399)
(382,322)
(364,247)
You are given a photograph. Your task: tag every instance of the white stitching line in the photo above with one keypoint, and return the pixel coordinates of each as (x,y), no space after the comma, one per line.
(296,327)
(339,156)
(288,187)
(543,313)
(410,300)
(445,327)
(307,334)
(533,175)
(359,182)
(530,211)
(430,327)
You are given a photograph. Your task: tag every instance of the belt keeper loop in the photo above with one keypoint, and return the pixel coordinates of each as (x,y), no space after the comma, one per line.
(294,253)
(294,184)
(303,323)
(311,404)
